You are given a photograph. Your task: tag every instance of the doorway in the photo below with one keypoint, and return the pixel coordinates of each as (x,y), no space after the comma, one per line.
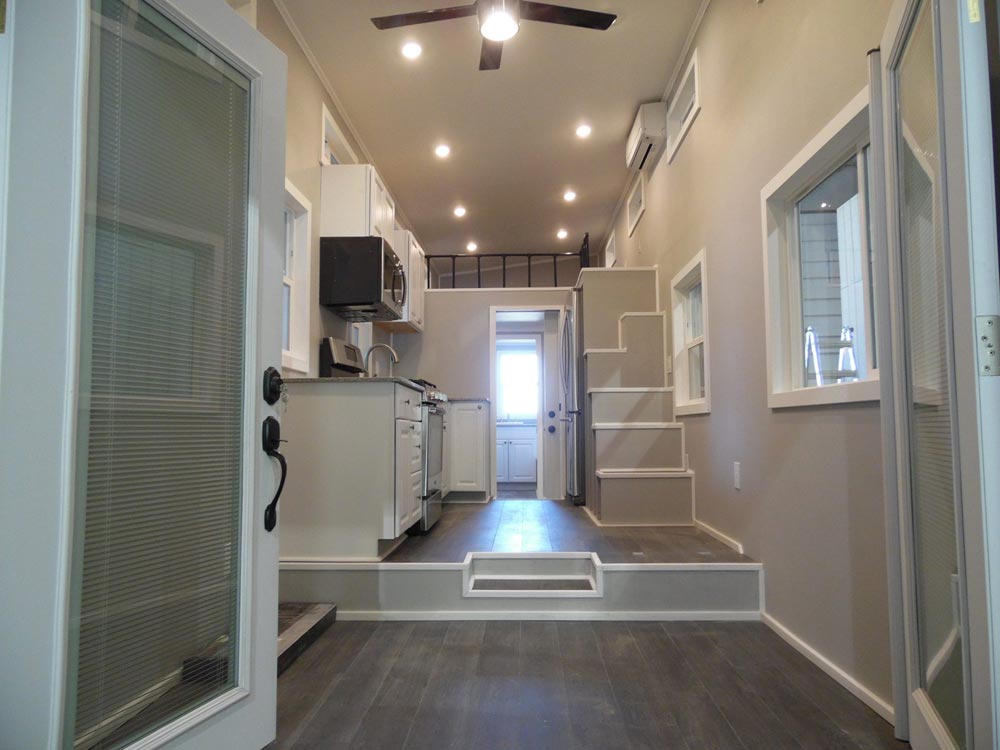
(526,404)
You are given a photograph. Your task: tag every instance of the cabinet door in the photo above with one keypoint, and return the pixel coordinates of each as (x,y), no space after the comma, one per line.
(468,447)
(417,284)
(406,439)
(415,498)
(522,460)
(502,460)
(446,453)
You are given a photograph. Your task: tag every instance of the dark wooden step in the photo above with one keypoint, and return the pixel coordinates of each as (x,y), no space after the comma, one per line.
(299,625)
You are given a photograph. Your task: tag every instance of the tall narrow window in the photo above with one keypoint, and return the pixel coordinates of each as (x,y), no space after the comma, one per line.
(689,295)
(295,333)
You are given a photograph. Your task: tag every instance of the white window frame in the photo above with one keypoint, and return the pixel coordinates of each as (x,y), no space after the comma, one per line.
(296,357)
(677,129)
(610,252)
(692,273)
(846,135)
(634,209)
(332,140)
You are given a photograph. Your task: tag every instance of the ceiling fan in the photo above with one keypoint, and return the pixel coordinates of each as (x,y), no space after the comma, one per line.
(499,20)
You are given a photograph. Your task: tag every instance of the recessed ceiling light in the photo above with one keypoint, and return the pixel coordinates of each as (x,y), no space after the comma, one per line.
(583,131)
(442,151)
(412,50)
(459,211)
(824,205)
(562,234)
(569,196)
(472,247)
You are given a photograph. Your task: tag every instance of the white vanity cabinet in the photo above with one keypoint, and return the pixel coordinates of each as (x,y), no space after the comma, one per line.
(356,203)
(468,423)
(412,256)
(355,469)
(517,453)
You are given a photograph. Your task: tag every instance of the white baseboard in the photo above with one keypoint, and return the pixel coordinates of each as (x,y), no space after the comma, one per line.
(646,616)
(865,695)
(712,531)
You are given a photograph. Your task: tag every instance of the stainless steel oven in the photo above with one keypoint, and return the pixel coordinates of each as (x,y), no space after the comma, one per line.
(434,428)
(361,278)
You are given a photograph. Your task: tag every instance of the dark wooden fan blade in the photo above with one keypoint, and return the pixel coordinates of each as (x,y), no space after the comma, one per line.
(547,13)
(424,16)
(489,58)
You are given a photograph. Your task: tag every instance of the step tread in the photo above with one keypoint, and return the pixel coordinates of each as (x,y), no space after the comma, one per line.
(587,352)
(637,426)
(498,583)
(643,473)
(303,632)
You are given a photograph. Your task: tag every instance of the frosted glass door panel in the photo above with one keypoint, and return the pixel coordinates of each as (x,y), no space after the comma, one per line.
(160,435)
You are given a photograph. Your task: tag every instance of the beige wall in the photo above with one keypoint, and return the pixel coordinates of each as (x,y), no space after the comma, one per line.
(453,352)
(772,76)
(304,116)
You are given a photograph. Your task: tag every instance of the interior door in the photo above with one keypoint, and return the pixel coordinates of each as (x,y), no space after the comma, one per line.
(942,268)
(164,575)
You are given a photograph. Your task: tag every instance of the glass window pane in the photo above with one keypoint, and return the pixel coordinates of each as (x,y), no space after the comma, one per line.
(289,242)
(695,323)
(834,321)
(928,379)
(696,372)
(517,381)
(156,568)
(286,317)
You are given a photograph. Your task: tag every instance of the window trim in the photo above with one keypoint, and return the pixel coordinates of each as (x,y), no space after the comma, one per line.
(635,214)
(676,138)
(296,357)
(846,134)
(680,285)
(331,133)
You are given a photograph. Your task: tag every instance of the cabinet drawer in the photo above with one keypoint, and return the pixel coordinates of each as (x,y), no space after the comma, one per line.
(416,455)
(407,403)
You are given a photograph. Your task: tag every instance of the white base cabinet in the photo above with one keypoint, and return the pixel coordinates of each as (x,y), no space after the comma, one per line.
(517,453)
(468,423)
(355,472)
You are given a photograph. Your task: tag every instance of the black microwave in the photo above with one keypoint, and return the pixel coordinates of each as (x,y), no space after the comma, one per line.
(361,278)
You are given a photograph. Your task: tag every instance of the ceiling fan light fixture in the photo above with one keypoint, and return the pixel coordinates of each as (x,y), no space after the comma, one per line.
(499,19)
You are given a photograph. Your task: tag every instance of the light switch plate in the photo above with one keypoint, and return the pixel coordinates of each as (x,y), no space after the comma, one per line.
(736,475)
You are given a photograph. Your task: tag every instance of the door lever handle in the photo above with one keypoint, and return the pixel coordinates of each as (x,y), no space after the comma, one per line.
(271,440)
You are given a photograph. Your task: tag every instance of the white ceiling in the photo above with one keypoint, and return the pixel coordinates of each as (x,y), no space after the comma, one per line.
(511,131)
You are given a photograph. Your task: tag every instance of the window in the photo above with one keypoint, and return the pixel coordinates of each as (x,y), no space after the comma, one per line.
(334,146)
(610,253)
(684,108)
(819,270)
(689,301)
(636,205)
(295,336)
(517,378)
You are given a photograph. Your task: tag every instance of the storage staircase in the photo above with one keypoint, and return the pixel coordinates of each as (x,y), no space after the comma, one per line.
(636,461)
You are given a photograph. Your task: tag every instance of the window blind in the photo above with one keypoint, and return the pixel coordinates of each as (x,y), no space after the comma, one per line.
(156,568)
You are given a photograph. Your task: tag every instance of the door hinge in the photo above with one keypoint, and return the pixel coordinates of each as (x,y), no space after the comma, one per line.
(987,333)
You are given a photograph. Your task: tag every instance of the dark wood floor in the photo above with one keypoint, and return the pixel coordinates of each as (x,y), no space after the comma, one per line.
(554,685)
(517,491)
(556,526)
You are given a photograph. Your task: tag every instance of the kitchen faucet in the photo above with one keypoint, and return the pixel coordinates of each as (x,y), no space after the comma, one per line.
(393,358)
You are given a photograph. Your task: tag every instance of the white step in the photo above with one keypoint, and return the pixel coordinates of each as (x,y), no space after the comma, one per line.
(532,574)
(639,360)
(653,446)
(632,405)
(647,498)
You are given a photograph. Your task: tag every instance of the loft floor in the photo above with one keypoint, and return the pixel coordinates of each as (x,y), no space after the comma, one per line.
(566,685)
(556,526)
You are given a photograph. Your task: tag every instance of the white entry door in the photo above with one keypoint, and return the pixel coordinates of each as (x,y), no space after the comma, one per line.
(943,296)
(142,285)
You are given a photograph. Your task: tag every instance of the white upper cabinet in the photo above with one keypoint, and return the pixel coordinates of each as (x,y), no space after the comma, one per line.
(355,203)
(411,255)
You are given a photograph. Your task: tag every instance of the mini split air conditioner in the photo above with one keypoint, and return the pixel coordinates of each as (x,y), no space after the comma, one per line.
(647,138)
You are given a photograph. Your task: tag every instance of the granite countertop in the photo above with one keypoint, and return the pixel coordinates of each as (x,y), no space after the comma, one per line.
(400,381)
(453,398)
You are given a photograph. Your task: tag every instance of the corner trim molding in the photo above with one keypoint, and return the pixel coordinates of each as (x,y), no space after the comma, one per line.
(882,707)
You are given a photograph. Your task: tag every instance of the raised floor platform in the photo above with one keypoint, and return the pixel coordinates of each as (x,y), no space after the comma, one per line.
(536,559)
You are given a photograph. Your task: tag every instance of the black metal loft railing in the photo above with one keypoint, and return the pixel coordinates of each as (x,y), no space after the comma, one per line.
(536,265)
